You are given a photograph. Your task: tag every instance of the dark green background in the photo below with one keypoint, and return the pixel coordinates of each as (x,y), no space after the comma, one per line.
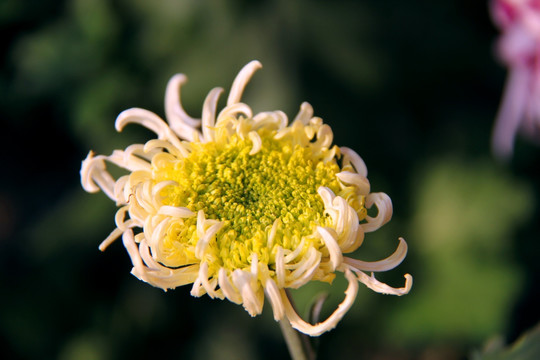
(412,86)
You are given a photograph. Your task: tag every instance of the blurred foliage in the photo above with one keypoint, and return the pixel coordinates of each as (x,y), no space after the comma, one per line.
(412,86)
(527,347)
(464,218)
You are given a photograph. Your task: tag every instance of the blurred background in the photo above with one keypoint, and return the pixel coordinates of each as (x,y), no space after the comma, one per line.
(412,86)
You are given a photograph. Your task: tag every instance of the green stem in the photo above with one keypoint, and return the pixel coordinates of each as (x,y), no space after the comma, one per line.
(298,344)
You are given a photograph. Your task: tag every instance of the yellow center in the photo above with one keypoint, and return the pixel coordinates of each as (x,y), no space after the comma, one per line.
(247,193)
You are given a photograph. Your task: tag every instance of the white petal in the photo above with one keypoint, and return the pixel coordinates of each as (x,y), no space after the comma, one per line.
(227,287)
(244,282)
(115,234)
(350,156)
(176,211)
(233,110)
(209,113)
(305,113)
(336,257)
(142,117)
(383,265)
(304,269)
(273,232)
(272,292)
(241,81)
(384,207)
(257,142)
(174,111)
(359,181)
(203,242)
(332,320)
(383,288)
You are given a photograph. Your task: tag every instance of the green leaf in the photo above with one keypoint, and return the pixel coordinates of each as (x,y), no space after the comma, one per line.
(527,347)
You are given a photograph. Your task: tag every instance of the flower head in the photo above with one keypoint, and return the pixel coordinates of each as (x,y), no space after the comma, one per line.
(243,206)
(519,49)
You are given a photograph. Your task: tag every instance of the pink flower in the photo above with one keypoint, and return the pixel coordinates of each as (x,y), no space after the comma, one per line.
(519,48)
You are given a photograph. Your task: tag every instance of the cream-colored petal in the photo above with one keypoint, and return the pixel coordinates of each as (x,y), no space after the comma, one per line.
(142,117)
(324,137)
(383,288)
(304,270)
(174,211)
(360,182)
(204,241)
(174,111)
(241,81)
(273,233)
(280,267)
(233,111)
(383,203)
(257,142)
(336,257)
(228,288)
(274,297)
(94,176)
(332,320)
(154,144)
(209,114)
(305,113)
(115,234)
(244,282)
(351,157)
(382,265)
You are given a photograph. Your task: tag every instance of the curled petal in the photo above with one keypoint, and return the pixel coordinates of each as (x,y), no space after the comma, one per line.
(209,286)
(203,242)
(94,176)
(241,80)
(153,144)
(294,254)
(128,161)
(351,157)
(120,216)
(384,207)
(233,110)
(257,142)
(383,288)
(305,113)
(350,234)
(247,285)
(115,234)
(156,275)
(87,168)
(332,320)
(304,269)
(326,195)
(228,288)
(157,189)
(142,117)
(336,257)
(174,111)
(265,119)
(383,265)
(209,113)
(360,182)
(324,137)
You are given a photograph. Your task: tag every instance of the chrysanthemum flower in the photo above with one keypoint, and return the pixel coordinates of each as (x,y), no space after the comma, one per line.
(519,49)
(243,206)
